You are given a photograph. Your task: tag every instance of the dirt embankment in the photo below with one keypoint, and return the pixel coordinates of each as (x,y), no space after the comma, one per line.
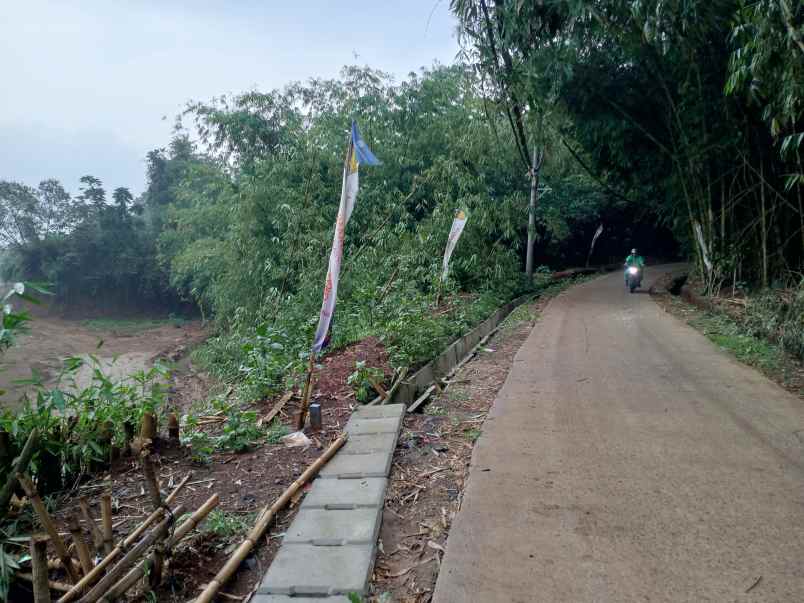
(121,351)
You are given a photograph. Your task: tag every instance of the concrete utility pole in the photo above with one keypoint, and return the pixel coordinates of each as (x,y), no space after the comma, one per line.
(534,192)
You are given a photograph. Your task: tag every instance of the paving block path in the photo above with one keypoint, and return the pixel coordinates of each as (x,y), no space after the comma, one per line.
(329,549)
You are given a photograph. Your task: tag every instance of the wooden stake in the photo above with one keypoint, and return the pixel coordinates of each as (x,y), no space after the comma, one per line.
(106,517)
(264,519)
(41,588)
(266,420)
(80,545)
(140,570)
(97,537)
(151,484)
(308,386)
(130,558)
(47,523)
(97,571)
(19,467)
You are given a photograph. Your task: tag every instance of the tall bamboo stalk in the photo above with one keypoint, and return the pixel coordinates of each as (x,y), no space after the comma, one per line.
(264,519)
(106,516)
(97,537)
(80,545)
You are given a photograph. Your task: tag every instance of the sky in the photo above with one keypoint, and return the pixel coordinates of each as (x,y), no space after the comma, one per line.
(91,86)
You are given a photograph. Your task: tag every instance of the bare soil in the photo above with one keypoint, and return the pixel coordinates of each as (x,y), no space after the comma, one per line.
(52,339)
(245,482)
(431,465)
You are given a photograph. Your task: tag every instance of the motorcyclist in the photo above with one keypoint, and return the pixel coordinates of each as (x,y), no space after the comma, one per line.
(634,260)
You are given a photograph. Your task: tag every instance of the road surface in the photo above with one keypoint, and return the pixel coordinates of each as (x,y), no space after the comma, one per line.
(626,458)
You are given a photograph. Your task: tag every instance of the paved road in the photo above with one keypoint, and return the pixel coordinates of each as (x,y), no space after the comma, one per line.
(627,459)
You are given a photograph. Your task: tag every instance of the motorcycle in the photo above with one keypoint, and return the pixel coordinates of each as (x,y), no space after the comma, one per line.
(633,278)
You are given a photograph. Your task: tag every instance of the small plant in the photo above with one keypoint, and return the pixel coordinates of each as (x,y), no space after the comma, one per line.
(226,525)
(434,410)
(276,432)
(472,434)
(361,380)
(201,444)
(240,432)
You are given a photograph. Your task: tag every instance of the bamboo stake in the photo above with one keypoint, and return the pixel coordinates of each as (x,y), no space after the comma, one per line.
(308,386)
(151,484)
(96,572)
(148,428)
(106,516)
(130,558)
(265,517)
(140,570)
(173,427)
(41,588)
(390,397)
(97,537)
(47,523)
(19,467)
(80,545)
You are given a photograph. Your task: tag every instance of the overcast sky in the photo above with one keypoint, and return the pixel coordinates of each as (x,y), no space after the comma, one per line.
(90,86)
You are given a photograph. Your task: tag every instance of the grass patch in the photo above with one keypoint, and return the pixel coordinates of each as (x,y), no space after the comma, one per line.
(434,410)
(227,525)
(130,326)
(472,434)
(729,335)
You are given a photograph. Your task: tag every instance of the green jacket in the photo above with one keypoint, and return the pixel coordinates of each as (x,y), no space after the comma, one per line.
(635,260)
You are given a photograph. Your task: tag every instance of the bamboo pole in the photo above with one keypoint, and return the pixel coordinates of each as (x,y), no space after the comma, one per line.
(173,427)
(147,428)
(97,537)
(80,545)
(19,467)
(47,523)
(264,519)
(308,386)
(140,570)
(106,516)
(96,572)
(41,588)
(130,558)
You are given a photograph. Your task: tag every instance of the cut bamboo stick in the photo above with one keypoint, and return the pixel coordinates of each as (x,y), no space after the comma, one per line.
(19,467)
(173,427)
(308,388)
(97,571)
(47,523)
(106,516)
(264,519)
(130,558)
(41,588)
(133,576)
(151,484)
(92,526)
(266,420)
(80,545)
(148,428)
(390,397)
(53,584)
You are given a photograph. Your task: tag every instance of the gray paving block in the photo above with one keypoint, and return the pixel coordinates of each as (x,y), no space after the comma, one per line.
(374,464)
(359,425)
(325,527)
(380,412)
(303,569)
(370,442)
(258,598)
(345,493)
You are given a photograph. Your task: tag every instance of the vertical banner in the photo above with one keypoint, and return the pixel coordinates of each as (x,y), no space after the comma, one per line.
(454,234)
(356,154)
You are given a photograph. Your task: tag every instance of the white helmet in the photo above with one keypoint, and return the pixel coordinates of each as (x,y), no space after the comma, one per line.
(634,251)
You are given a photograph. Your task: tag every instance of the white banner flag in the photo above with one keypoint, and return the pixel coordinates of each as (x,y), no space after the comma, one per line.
(454,234)
(358,153)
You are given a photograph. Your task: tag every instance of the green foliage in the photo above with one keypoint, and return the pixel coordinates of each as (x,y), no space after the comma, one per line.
(729,335)
(240,432)
(79,425)
(360,380)
(778,316)
(227,526)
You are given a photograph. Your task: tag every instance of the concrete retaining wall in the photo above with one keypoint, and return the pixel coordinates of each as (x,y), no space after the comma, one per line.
(414,386)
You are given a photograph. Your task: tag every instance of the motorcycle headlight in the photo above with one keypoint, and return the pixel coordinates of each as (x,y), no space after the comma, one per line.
(633,270)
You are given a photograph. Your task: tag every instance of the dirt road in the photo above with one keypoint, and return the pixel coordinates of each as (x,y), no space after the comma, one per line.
(628,459)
